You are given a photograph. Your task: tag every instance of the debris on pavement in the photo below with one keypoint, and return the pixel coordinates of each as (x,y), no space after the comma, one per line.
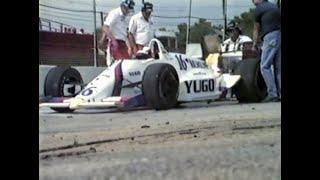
(145,126)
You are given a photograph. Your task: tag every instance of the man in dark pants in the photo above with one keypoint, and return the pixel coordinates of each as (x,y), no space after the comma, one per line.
(268,24)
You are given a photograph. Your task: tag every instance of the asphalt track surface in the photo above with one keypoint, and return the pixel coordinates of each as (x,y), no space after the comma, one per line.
(220,140)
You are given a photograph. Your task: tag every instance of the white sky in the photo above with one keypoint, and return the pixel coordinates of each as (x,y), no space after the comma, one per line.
(211,9)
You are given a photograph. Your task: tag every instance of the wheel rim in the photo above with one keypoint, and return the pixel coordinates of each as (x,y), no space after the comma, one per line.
(168,88)
(69,80)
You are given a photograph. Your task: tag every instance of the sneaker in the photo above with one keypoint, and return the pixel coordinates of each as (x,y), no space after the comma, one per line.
(270,99)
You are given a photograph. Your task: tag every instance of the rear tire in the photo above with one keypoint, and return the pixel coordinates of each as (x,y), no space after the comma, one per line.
(160,86)
(251,87)
(55,81)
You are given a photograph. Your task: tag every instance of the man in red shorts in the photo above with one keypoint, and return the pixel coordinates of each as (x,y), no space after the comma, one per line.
(115,29)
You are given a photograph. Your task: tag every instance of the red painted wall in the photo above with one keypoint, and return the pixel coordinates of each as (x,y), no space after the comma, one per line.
(57,48)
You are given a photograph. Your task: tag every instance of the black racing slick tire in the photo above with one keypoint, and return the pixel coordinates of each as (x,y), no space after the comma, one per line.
(251,86)
(160,86)
(56,78)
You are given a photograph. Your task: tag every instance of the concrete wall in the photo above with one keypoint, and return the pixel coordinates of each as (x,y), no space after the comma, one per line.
(88,73)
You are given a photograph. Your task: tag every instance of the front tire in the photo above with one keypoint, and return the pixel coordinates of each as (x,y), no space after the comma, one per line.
(55,81)
(160,86)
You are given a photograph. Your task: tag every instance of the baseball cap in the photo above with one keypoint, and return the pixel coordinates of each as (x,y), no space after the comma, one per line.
(128,3)
(147,7)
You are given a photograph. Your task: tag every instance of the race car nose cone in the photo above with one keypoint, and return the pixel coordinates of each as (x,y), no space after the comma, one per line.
(74,104)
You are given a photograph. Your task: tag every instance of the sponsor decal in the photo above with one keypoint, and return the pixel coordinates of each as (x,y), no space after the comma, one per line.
(106,75)
(199,73)
(135,73)
(184,62)
(87,91)
(198,86)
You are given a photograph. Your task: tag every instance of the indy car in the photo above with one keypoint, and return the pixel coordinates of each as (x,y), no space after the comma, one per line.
(154,78)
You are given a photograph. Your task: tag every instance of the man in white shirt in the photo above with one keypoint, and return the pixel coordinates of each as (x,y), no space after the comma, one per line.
(115,29)
(140,28)
(235,42)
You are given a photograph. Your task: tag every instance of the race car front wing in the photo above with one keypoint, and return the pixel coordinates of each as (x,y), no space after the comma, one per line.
(116,101)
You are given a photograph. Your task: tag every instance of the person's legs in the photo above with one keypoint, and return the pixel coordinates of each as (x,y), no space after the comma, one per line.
(114,51)
(123,50)
(269,50)
(120,52)
(140,47)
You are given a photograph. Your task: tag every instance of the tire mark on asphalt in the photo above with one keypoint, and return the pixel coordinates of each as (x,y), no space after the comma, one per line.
(179,132)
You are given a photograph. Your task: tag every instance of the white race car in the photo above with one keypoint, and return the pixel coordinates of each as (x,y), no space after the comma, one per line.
(155,78)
